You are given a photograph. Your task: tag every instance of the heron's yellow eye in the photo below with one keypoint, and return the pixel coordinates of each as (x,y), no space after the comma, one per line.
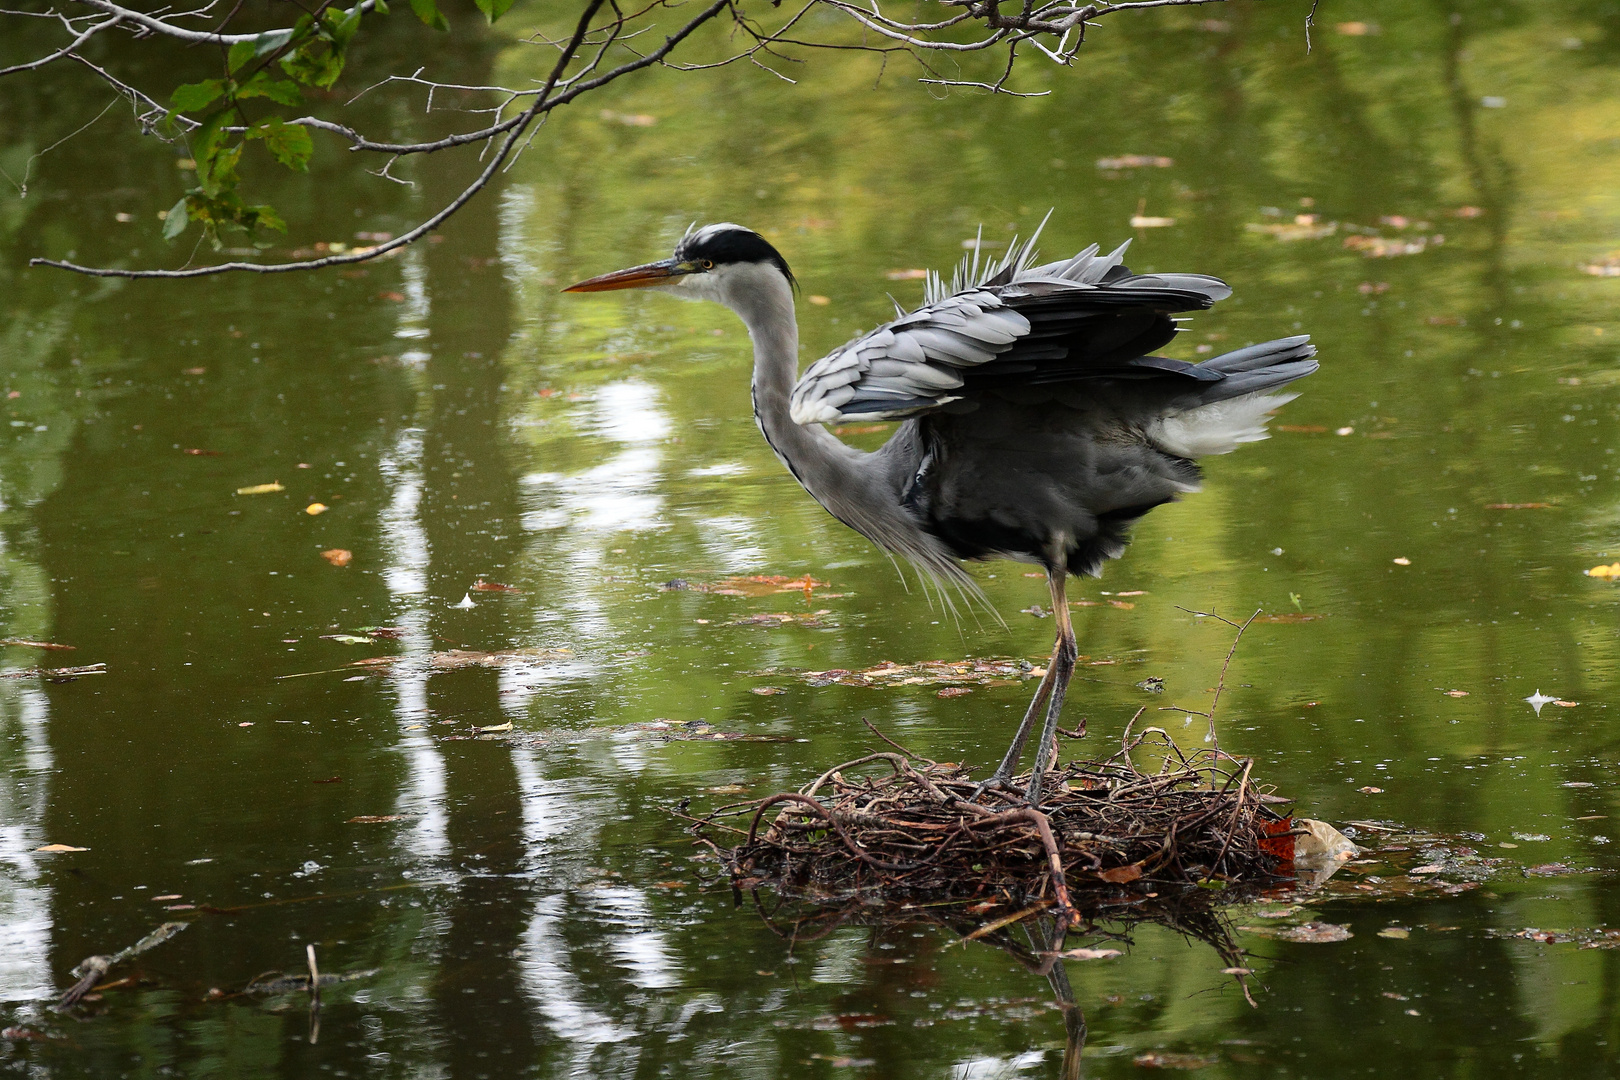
(707,264)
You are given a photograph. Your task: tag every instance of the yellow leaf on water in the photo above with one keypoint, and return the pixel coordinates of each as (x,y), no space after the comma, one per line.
(315,508)
(338,556)
(1610,571)
(260,489)
(55,848)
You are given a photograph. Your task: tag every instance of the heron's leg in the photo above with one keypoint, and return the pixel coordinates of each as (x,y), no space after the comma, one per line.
(1000,779)
(1009,762)
(1063,660)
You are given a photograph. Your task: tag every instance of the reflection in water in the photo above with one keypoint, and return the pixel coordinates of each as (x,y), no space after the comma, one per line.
(536,916)
(25,899)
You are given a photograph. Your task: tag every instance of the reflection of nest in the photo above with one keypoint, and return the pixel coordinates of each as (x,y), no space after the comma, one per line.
(915,834)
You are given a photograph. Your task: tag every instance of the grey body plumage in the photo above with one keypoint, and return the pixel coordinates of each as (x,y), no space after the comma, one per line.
(1036,423)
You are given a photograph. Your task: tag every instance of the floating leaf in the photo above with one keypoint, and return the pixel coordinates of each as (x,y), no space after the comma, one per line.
(1610,571)
(1134,161)
(374,819)
(1090,954)
(338,556)
(316,508)
(955,691)
(1310,933)
(37,644)
(493,586)
(54,849)
(260,489)
(1159,1059)
(1120,875)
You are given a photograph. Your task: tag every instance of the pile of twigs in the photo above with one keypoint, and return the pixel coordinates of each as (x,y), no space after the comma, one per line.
(918,828)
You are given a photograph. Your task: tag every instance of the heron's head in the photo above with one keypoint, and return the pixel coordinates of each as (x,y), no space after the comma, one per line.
(725,263)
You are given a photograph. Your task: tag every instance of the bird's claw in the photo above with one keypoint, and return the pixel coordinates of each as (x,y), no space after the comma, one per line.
(996,781)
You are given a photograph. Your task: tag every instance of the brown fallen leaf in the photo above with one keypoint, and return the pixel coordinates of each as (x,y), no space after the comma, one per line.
(374,819)
(1370,790)
(1310,933)
(762,585)
(1159,1059)
(203,453)
(954,691)
(1120,875)
(493,586)
(55,674)
(456,659)
(392,296)
(53,849)
(1090,954)
(1134,161)
(36,644)
(338,556)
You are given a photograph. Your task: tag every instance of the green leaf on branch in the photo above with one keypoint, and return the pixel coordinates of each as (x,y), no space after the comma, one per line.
(289,143)
(428,12)
(494,9)
(317,62)
(193,96)
(343,25)
(241,53)
(264,215)
(282,91)
(175,222)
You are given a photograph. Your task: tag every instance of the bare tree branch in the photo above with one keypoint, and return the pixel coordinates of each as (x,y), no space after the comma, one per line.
(66,49)
(604,33)
(544,103)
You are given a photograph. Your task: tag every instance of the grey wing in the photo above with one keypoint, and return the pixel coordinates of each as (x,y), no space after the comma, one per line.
(909,365)
(1085,317)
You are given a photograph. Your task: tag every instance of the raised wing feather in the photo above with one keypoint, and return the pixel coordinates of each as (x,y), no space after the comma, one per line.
(1012,323)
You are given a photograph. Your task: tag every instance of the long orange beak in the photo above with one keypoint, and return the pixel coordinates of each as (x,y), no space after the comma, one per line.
(644,276)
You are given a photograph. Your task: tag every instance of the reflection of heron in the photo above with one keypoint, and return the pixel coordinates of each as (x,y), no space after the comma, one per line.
(1037,427)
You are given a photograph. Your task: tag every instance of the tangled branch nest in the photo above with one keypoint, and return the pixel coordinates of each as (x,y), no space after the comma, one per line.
(921,831)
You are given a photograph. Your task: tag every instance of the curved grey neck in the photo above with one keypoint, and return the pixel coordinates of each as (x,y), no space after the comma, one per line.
(817,459)
(862,490)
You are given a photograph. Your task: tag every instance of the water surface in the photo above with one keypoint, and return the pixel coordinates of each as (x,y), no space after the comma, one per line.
(532,909)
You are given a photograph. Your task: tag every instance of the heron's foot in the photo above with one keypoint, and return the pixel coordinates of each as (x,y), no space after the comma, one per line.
(999,780)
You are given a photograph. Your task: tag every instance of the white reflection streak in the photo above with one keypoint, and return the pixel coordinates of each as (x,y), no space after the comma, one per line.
(405,549)
(642,949)
(25,910)
(619,495)
(548,812)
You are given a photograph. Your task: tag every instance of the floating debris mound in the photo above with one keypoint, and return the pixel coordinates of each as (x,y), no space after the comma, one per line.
(921,831)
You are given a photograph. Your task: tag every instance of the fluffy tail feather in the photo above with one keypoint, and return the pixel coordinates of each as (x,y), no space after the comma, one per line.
(1220,416)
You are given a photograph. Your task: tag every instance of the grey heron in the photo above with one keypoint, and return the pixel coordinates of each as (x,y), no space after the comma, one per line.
(1037,426)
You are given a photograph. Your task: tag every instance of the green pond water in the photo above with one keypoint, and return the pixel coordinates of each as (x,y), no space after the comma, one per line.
(528,906)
